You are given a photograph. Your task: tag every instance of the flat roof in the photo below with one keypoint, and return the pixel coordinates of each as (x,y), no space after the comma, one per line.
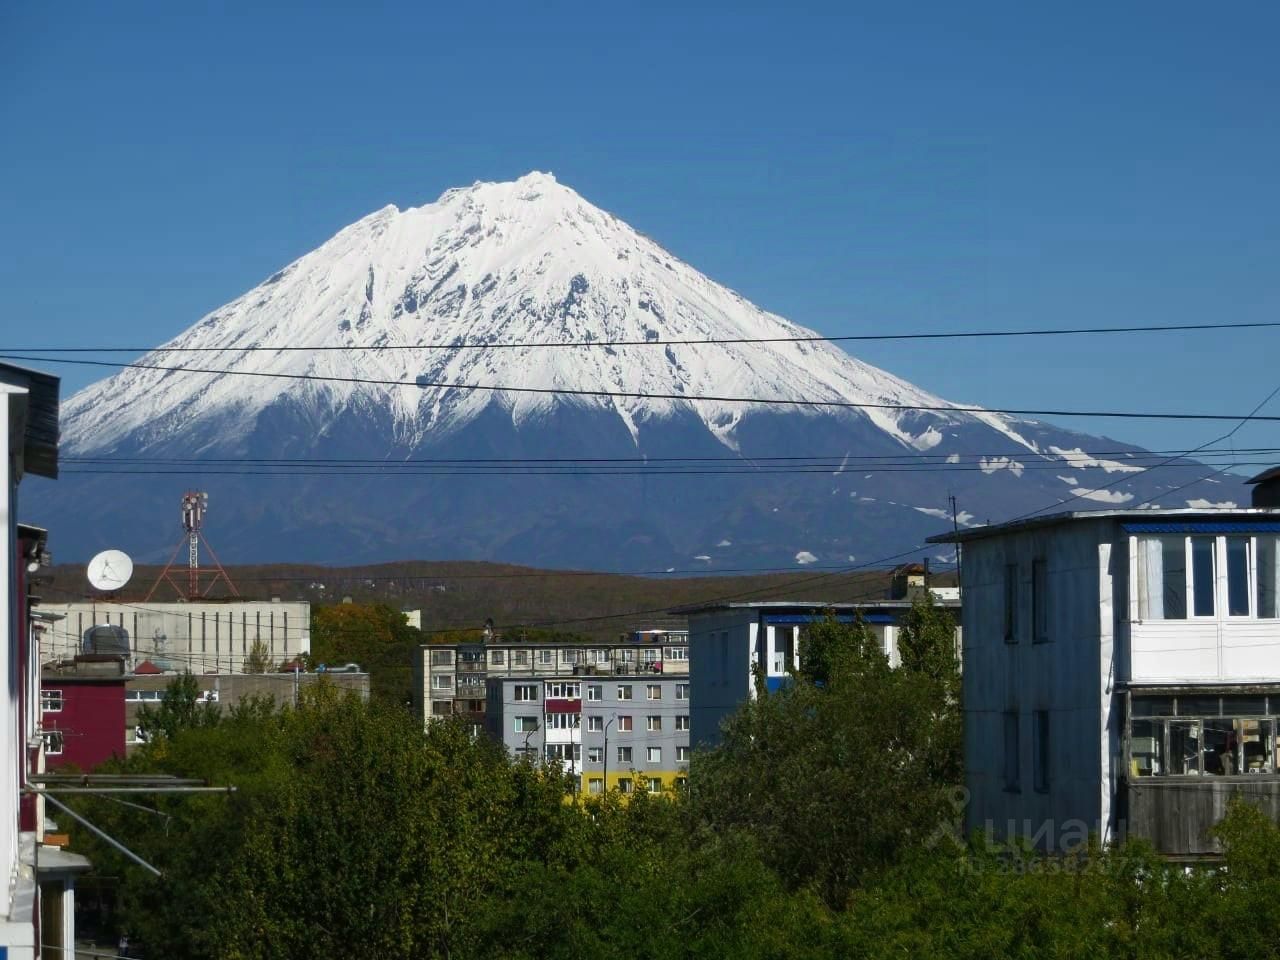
(1070,516)
(806,605)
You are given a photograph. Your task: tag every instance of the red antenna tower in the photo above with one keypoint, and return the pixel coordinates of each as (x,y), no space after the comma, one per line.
(194,505)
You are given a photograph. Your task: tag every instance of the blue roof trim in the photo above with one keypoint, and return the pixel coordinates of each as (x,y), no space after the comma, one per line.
(797,618)
(1243,525)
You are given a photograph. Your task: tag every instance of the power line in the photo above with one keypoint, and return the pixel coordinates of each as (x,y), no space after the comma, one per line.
(1067,457)
(635,395)
(691,342)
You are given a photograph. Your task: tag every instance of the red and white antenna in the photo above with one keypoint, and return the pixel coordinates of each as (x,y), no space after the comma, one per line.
(194,505)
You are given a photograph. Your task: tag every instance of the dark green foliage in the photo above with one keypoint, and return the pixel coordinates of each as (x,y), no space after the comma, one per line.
(180,709)
(840,771)
(813,833)
(375,636)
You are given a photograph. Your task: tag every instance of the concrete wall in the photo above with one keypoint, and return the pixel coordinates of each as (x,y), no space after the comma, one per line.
(200,637)
(722,644)
(1068,672)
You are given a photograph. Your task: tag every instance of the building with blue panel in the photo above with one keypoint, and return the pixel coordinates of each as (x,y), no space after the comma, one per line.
(726,640)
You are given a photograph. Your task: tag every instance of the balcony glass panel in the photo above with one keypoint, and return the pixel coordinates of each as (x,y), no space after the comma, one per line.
(1202,575)
(1237,576)
(1162,578)
(1268,576)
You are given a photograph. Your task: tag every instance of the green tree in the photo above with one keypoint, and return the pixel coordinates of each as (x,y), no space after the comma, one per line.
(837,773)
(259,659)
(181,709)
(374,635)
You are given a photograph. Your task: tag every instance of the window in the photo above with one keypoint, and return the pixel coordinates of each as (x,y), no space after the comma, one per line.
(624,754)
(1040,764)
(655,785)
(682,783)
(624,691)
(1202,575)
(1012,774)
(1203,735)
(441,708)
(624,724)
(1011,603)
(53,742)
(498,658)
(652,655)
(682,721)
(568,656)
(653,724)
(682,691)
(442,658)
(602,656)
(526,724)
(595,724)
(628,656)
(682,754)
(563,721)
(526,693)
(624,785)
(595,785)
(564,691)
(595,692)
(546,657)
(520,658)
(1268,576)
(1162,578)
(654,755)
(564,752)
(50,701)
(1238,576)
(595,755)
(676,653)
(1039,602)
(654,691)
(442,681)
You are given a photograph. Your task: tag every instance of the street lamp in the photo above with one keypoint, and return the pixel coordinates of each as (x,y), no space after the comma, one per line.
(612,718)
(531,732)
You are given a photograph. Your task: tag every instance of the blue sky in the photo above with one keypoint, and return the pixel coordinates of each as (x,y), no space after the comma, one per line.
(857,168)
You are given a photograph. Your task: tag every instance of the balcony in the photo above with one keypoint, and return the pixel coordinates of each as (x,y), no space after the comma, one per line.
(1175,815)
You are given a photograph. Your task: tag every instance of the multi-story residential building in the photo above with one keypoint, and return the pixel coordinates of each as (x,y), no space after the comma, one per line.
(37,881)
(1122,674)
(451,679)
(624,730)
(728,641)
(211,636)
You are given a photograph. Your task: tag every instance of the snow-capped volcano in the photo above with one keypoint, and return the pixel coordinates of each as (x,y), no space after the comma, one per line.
(323,360)
(528,262)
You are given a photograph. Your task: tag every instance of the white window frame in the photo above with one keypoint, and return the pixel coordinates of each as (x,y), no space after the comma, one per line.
(682,721)
(595,724)
(49,697)
(682,691)
(595,693)
(54,743)
(653,723)
(653,691)
(624,754)
(653,754)
(522,691)
(624,691)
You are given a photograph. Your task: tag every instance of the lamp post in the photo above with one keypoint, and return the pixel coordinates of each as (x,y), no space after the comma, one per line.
(536,728)
(612,718)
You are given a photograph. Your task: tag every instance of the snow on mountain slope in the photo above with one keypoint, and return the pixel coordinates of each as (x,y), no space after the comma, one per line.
(531,262)
(528,261)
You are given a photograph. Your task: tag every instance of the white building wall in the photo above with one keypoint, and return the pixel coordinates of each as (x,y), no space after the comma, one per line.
(1064,676)
(201,637)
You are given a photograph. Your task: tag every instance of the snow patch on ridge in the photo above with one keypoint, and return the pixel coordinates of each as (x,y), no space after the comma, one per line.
(1080,460)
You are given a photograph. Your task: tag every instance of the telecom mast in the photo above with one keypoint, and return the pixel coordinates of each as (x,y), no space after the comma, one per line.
(194,505)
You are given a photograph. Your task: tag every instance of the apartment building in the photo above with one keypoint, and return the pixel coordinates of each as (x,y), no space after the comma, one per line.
(452,679)
(628,730)
(1122,674)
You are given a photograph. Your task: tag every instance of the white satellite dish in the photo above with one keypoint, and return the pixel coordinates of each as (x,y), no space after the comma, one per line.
(110,570)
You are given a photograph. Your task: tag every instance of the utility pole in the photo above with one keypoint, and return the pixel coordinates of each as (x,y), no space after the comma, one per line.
(606,750)
(955,530)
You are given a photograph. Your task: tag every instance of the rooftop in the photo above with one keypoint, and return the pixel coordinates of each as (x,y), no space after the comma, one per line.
(805,605)
(1184,514)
